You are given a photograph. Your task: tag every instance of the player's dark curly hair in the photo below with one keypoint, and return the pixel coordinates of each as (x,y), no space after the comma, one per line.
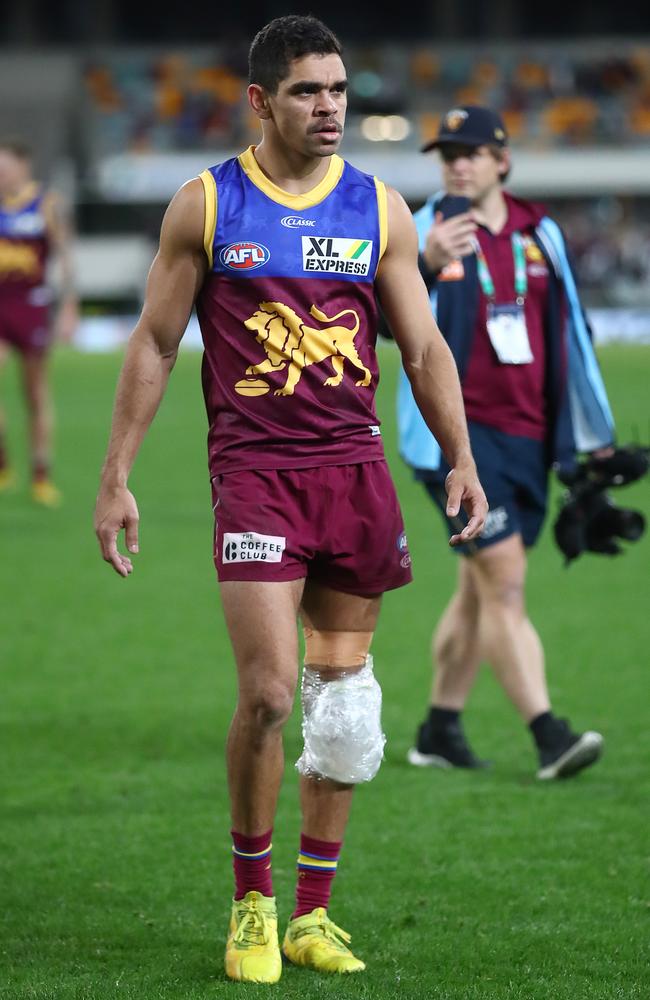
(16,146)
(281,41)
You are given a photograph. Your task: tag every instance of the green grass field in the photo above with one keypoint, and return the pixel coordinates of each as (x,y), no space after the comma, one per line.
(114,707)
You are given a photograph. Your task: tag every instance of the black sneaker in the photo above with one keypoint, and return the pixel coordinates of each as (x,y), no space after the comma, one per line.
(445,748)
(568,753)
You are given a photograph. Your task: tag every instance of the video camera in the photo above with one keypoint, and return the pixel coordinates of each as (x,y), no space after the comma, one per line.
(589,520)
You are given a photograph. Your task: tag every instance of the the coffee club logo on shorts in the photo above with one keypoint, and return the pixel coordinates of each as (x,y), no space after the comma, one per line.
(249,546)
(336,254)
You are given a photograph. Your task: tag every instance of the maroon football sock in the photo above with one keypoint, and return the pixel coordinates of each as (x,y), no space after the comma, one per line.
(251,860)
(316,869)
(40,470)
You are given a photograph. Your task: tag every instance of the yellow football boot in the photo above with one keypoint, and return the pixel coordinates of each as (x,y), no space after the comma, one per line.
(252,950)
(7,479)
(46,493)
(315,941)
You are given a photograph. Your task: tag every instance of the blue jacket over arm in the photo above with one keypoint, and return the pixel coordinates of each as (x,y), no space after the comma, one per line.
(579,415)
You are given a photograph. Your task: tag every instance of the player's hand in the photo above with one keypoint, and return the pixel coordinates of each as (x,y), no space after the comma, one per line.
(464,489)
(115,510)
(67,321)
(449,239)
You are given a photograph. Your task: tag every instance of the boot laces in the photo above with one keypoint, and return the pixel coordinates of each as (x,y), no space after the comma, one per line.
(329,930)
(253,929)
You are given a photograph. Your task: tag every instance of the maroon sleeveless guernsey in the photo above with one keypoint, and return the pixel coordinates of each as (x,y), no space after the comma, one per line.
(24,243)
(288,318)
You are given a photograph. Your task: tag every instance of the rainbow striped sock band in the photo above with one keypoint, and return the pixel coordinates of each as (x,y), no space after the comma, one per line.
(252,855)
(316,863)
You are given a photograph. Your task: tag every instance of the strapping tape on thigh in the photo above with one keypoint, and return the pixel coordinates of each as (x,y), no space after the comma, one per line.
(330,648)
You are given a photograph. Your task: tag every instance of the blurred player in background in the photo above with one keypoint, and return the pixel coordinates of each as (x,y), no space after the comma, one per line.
(283,248)
(503,291)
(33,227)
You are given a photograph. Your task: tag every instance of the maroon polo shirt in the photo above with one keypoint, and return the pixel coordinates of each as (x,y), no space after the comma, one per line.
(510,397)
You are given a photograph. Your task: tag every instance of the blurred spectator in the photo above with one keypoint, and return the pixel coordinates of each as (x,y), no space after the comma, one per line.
(610,242)
(571,118)
(170,101)
(553,93)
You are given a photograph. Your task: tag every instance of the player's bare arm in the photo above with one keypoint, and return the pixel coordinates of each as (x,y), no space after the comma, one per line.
(428,363)
(60,234)
(175,278)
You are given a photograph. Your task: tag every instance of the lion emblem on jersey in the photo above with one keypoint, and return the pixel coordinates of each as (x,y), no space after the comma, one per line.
(289,343)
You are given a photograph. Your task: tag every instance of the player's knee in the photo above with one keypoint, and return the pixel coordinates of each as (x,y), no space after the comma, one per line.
(506,595)
(500,574)
(342,734)
(269,706)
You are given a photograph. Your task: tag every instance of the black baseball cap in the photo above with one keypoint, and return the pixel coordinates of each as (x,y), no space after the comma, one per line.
(470,125)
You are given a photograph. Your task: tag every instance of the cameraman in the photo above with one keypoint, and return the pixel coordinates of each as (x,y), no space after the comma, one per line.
(504,294)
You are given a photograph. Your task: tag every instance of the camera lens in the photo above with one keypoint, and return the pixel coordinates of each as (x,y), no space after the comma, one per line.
(630,524)
(612,520)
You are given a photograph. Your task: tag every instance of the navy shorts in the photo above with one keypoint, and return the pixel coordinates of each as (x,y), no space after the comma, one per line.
(514,475)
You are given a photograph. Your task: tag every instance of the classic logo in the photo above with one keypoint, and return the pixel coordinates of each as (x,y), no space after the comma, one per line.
(292,345)
(244,256)
(455,119)
(336,254)
(249,546)
(296,222)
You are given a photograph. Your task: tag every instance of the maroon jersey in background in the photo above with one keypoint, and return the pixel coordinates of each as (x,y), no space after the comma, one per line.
(24,296)
(24,243)
(510,398)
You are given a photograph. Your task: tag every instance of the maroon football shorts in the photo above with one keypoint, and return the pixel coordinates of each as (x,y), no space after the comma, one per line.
(24,325)
(339,525)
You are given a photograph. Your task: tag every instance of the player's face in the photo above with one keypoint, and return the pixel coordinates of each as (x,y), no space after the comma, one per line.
(471,171)
(309,107)
(14,172)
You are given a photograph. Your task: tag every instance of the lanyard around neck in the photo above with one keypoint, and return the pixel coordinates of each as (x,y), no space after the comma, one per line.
(521,278)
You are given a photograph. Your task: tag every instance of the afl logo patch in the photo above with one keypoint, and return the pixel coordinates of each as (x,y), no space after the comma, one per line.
(244,256)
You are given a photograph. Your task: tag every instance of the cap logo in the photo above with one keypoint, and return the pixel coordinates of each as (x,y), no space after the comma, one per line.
(455,119)
(499,134)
